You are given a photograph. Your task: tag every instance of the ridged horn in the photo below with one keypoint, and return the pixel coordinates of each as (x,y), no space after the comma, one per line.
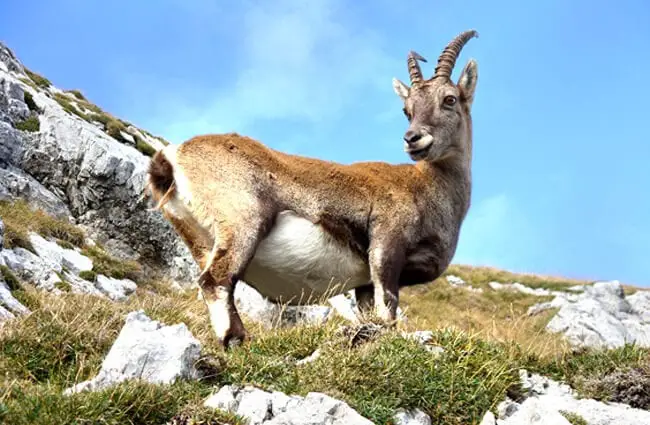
(448,57)
(414,67)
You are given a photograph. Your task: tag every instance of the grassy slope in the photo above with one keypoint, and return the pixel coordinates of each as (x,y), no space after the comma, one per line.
(487,337)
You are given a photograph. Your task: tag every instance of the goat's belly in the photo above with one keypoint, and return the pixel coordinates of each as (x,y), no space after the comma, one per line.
(299,263)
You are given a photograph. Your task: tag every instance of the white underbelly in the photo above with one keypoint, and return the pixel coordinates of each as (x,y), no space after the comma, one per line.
(299,261)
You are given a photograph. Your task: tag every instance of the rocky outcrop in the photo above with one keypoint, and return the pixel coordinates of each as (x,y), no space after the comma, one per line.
(71,168)
(276,408)
(601,316)
(548,402)
(148,350)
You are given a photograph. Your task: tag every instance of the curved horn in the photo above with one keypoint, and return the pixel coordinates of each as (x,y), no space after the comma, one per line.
(447,58)
(414,67)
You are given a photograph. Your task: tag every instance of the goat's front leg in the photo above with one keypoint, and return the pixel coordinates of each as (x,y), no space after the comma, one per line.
(386,259)
(365,296)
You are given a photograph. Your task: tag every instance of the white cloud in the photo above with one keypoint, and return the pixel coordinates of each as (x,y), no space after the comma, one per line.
(300,61)
(497,233)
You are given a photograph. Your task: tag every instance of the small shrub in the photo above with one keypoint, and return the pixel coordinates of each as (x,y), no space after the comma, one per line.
(106,264)
(101,117)
(62,284)
(29,82)
(64,244)
(114,129)
(88,275)
(626,385)
(39,80)
(31,104)
(65,103)
(31,124)
(77,94)
(10,279)
(144,147)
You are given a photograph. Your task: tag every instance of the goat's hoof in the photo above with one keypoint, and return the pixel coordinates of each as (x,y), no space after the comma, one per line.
(233,340)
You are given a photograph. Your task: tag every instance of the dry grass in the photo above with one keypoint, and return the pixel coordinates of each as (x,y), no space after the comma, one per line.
(493,315)
(20,219)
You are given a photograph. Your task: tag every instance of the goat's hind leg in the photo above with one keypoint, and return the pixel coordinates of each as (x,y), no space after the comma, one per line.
(218,295)
(227,262)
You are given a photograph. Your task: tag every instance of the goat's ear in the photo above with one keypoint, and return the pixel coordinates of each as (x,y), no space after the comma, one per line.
(467,81)
(400,88)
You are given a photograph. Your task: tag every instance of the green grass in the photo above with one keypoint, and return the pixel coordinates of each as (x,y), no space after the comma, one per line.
(64,244)
(31,104)
(29,82)
(20,219)
(481,276)
(66,337)
(106,264)
(67,105)
(88,275)
(62,284)
(10,279)
(114,128)
(574,418)
(31,124)
(77,94)
(144,147)
(39,80)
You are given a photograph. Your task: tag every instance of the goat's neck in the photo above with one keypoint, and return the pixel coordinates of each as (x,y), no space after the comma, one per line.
(452,174)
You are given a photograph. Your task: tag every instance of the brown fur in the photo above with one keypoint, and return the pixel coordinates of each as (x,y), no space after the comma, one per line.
(403,220)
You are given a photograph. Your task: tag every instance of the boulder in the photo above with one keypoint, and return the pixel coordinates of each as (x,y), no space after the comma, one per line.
(545,401)
(147,350)
(276,408)
(116,289)
(411,417)
(601,316)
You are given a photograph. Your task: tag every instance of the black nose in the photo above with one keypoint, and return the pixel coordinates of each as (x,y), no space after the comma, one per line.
(412,136)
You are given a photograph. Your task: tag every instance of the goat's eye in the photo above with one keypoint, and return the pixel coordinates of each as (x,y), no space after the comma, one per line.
(406,113)
(450,100)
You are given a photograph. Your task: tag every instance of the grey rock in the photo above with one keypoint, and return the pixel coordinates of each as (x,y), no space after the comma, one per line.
(309,314)
(455,280)
(276,408)
(16,184)
(147,350)
(31,268)
(59,257)
(224,400)
(601,316)
(318,408)
(545,399)
(116,289)
(83,172)
(640,303)
(82,286)
(5,315)
(258,308)
(10,61)
(345,306)
(255,405)
(311,358)
(8,301)
(411,417)
(488,419)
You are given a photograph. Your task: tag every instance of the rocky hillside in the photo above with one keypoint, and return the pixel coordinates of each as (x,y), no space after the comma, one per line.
(98,324)
(77,162)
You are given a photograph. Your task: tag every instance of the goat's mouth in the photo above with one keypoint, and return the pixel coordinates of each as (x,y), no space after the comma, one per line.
(417,153)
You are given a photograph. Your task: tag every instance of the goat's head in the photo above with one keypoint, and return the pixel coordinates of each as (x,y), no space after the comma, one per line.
(437,109)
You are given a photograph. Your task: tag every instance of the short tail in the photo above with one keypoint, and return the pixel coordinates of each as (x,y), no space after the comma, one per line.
(161,179)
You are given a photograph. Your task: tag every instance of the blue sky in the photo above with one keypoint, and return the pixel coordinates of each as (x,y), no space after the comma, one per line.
(561,147)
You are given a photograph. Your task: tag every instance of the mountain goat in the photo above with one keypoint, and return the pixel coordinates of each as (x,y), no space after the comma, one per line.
(296,228)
